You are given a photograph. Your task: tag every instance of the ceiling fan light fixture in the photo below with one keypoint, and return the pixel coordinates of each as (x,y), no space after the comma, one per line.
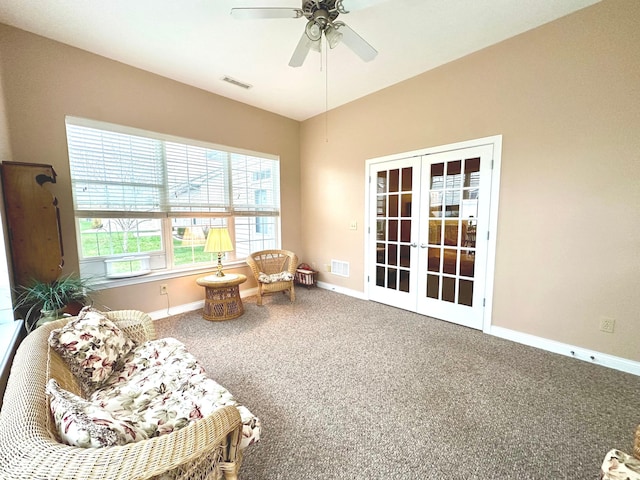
(340,8)
(313,31)
(321,16)
(316,46)
(333,36)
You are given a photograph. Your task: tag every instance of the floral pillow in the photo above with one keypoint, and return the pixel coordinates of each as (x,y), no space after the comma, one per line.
(618,465)
(83,424)
(275,277)
(93,347)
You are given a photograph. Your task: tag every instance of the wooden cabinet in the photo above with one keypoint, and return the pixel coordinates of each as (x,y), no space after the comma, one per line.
(33,221)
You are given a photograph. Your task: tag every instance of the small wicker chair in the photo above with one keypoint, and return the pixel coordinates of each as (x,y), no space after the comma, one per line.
(273,262)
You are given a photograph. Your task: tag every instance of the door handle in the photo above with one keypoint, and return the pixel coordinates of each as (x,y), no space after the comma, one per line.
(414,245)
(423,245)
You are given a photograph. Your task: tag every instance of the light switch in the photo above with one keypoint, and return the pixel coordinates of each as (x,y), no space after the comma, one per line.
(353,225)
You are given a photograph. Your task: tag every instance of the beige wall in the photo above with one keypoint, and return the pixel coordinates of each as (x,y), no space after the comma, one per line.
(45,80)
(566,98)
(5,146)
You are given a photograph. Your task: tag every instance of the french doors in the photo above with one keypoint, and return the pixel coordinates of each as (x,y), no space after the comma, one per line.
(428,235)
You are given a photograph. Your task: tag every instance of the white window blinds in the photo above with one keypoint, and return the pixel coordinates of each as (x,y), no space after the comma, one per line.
(256,186)
(114,173)
(196,179)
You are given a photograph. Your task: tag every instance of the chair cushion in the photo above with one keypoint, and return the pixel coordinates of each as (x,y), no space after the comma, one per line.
(84,424)
(162,388)
(275,277)
(93,347)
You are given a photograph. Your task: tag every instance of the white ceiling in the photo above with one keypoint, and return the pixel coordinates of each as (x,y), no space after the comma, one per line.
(197,42)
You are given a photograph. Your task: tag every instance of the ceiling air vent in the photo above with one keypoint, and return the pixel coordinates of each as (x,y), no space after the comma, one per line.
(237,83)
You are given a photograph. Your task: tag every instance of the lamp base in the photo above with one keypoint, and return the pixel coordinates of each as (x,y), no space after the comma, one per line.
(220,273)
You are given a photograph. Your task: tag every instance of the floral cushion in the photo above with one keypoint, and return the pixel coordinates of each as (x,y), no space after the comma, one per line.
(162,387)
(84,424)
(92,346)
(275,277)
(618,465)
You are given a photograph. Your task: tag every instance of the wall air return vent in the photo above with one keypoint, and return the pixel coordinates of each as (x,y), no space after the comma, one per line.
(339,267)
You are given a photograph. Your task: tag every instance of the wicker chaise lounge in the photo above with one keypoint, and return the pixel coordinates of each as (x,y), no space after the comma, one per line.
(204,449)
(618,465)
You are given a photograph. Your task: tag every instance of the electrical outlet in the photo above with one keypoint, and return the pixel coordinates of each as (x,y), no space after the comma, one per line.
(607,324)
(164,289)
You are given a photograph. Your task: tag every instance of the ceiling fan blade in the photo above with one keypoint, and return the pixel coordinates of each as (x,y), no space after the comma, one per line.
(243,13)
(356,43)
(350,5)
(304,46)
(300,53)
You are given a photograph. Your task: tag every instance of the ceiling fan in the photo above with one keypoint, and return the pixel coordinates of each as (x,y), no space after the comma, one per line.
(321,18)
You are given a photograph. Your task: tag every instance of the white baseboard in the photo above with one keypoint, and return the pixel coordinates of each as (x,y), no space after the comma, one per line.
(344,291)
(190,307)
(248,292)
(176,310)
(591,356)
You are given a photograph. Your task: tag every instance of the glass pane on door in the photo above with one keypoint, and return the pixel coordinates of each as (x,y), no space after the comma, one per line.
(453,210)
(427,238)
(394,200)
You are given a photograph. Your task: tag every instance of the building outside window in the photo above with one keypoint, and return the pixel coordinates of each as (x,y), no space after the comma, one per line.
(144,202)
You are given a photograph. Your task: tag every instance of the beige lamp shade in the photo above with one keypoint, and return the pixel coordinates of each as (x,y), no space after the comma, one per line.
(193,236)
(218,241)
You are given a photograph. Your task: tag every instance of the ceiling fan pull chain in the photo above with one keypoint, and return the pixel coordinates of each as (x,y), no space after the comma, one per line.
(326,93)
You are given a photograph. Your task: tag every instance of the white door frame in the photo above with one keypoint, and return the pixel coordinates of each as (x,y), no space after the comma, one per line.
(496,142)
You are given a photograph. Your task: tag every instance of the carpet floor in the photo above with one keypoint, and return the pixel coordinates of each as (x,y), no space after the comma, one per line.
(352,389)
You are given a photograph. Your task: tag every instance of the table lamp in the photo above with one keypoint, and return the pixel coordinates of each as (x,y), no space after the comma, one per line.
(218,241)
(192,237)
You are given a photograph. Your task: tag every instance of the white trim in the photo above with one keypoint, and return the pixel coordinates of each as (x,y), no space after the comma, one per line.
(249,292)
(9,333)
(490,266)
(176,310)
(190,307)
(586,355)
(492,140)
(579,353)
(113,127)
(367,227)
(155,276)
(591,356)
(496,142)
(345,291)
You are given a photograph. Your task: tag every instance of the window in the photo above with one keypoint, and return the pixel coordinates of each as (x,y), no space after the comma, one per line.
(144,201)
(262,226)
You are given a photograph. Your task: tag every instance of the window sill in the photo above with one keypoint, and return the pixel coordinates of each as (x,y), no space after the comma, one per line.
(163,275)
(9,334)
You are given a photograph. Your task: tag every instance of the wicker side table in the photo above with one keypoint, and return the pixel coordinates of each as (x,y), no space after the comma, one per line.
(222,296)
